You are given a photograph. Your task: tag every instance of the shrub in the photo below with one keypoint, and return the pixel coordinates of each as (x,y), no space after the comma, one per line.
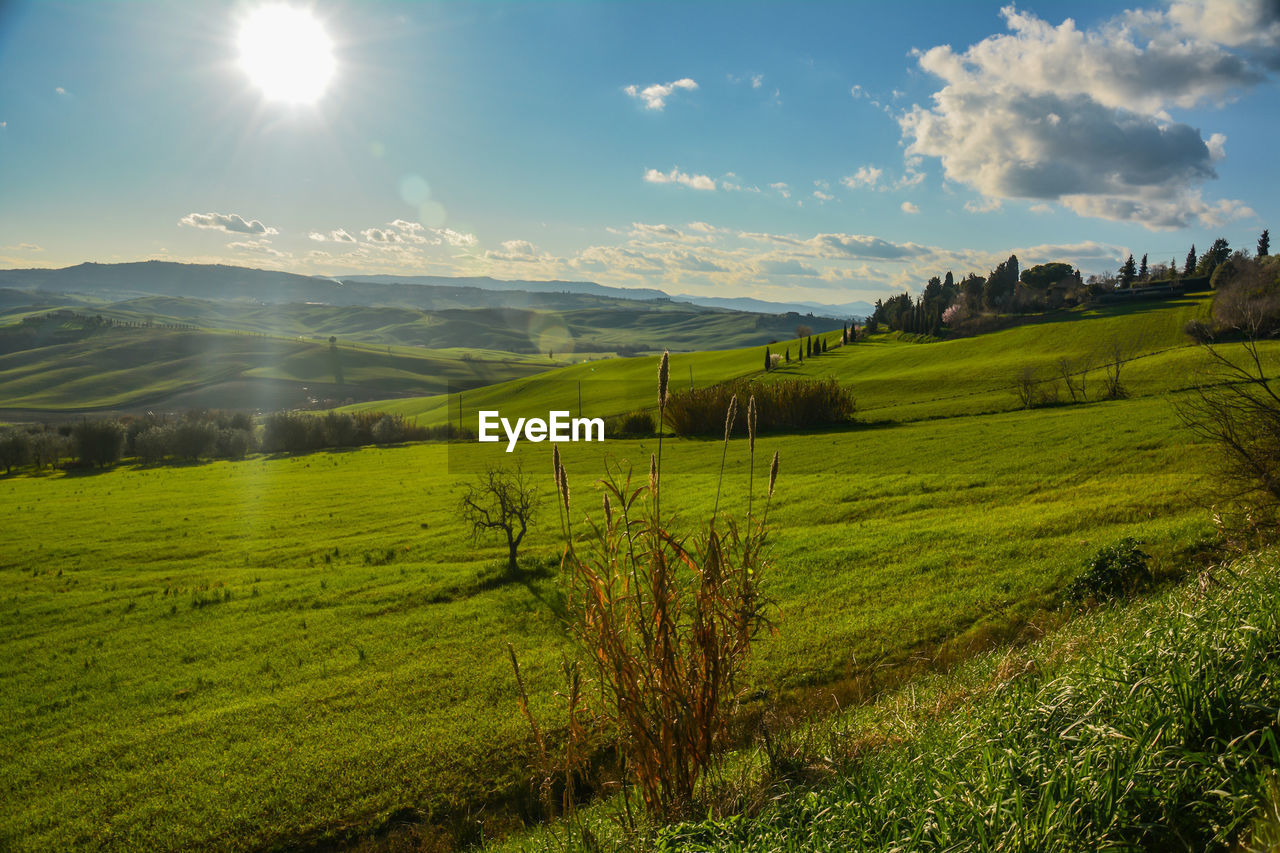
(389,430)
(99,443)
(152,444)
(48,448)
(638,423)
(192,439)
(291,432)
(1117,570)
(234,443)
(340,430)
(15,449)
(785,405)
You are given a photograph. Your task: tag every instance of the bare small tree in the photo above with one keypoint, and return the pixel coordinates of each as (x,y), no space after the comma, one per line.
(1025,387)
(501,500)
(1071,377)
(1237,408)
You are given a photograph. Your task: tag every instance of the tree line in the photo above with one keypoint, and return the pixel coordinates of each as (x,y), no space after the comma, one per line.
(969,304)
(202,435)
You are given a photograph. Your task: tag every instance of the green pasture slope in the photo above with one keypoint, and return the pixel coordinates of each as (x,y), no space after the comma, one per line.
(287,651)
(890,379)
(117,367)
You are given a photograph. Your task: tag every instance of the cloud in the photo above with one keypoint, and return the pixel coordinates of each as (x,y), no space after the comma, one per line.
(455,238)
(782,188)
(337,235)
(821,196)
(866,176)
(59,90)
(908,207)
(228,223)
(675,176)
(985,205)
(655,96)
(1081,117)
(383,236)
(787,267)
(23,247)
(757,80)
(258,247)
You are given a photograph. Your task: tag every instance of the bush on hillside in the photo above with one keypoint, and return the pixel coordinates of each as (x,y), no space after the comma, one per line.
(786,405)
(1115,571)
(637,423)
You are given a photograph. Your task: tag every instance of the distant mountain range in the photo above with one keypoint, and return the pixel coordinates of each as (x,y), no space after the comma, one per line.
(430,293)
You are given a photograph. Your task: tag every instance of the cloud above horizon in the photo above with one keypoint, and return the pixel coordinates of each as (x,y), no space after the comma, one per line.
(228,223)
(675,176)
(1081,117)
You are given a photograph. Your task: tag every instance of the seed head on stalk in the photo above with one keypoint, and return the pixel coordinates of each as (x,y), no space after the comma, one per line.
(773,473)
(664,376)
(751,424)
(730,416)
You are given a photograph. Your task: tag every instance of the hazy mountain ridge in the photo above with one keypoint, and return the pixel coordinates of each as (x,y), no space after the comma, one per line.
(427,293)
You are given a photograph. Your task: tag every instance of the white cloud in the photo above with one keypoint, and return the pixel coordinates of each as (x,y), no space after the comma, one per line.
(23,247)
(655,96)
(782,188)
(821,196)
(865,176)
(258,247)
(675,176)
(1080,117)
(908,207)
(383,236)
(228,223)
(757,80)
(59,90)
(337,235)
(455,238)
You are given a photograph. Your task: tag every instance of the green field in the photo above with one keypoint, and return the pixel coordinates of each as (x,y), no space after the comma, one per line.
(74,368)
(891,379)
(283,651)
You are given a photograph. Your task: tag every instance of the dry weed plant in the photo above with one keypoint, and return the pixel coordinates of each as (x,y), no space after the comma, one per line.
(663,617)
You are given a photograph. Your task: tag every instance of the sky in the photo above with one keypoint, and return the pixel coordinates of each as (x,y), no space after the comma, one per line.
(821,151)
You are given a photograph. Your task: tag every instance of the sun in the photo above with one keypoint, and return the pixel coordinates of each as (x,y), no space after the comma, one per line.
(287,54)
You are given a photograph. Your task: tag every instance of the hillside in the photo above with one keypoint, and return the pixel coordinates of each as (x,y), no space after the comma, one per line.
(68,365)
(331,616)
(891,379)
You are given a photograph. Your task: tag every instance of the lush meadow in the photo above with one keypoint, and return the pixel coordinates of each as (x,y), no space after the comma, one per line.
(260,653)
(891,379)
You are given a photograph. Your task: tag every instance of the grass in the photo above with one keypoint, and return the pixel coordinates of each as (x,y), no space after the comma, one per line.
(130,367)
(303,651)
(1149,727)
(325,694)
(892,380)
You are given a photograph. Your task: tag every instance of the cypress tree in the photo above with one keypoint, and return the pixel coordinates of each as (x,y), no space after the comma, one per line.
(1264,243)
(1190,267)
(766,358)
(788,359)
(1143,272)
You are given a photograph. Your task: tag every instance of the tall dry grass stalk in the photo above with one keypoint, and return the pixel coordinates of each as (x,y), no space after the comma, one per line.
(665,618)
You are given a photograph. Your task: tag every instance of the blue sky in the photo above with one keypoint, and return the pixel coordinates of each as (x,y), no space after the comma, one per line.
(824,151)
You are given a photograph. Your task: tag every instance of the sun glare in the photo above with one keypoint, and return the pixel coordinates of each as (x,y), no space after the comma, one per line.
(286,53)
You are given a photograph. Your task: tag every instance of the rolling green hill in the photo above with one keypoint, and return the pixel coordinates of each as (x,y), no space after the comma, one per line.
(891,379)
(70,365)
(316,647)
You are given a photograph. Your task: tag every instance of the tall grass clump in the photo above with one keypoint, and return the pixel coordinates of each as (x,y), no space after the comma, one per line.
(664,617)
(784,405)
